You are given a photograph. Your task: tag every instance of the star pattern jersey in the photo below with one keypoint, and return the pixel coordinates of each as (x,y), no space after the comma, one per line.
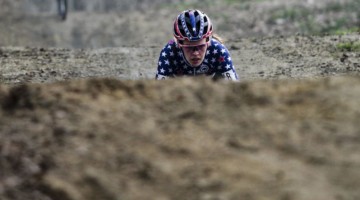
(217,62)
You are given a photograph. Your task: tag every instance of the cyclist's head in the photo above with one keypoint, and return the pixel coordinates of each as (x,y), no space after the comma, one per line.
(192,25)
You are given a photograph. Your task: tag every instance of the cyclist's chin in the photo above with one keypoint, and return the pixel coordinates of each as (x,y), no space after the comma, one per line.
(195,62)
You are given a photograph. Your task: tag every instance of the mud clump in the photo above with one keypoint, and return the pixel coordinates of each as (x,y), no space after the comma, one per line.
(112,139)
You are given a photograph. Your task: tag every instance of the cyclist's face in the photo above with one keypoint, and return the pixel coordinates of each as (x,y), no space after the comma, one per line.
(195,51)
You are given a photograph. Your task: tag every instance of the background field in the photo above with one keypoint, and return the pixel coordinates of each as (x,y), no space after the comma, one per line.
(111,23)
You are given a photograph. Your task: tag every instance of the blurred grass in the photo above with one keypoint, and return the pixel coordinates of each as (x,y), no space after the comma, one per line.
(349,46)
(334,18)
(342,17)
(241,1)
(186,5)
(290,14)
(211,5)
(347,31)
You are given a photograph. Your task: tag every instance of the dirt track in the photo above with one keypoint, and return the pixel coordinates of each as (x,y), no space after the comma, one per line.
(91,124)
(254,58)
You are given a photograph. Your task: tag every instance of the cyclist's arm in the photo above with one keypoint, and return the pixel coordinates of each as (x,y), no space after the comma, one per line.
(165,66)
(230,75)
(225,65)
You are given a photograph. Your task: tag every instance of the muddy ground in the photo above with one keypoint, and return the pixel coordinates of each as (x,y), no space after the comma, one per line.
(84,119)
(298,56)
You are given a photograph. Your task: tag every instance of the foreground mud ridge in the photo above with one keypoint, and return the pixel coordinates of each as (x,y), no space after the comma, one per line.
(186,139)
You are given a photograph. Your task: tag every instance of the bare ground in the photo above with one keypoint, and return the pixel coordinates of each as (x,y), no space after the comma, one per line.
(299,56)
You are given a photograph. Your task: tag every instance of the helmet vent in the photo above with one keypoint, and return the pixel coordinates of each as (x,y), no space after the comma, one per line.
(192,25)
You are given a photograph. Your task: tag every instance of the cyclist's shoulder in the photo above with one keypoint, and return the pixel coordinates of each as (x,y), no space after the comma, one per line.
(171,44)
(170,47)
(216,44)
(216,49)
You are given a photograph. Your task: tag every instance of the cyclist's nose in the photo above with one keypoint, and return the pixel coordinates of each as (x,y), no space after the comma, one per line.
(195,51)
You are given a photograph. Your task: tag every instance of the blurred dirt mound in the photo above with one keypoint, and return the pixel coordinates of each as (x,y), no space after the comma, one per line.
(186,139)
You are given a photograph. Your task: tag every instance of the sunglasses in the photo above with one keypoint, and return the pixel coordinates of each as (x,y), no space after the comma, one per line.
(191,48)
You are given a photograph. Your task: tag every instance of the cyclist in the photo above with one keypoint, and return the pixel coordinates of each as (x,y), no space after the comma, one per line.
(195,50)
(62,9)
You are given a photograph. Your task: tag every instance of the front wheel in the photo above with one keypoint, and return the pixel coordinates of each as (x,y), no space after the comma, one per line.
(62,9)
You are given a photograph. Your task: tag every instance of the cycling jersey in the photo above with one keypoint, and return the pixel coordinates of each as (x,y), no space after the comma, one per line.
(217,62)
